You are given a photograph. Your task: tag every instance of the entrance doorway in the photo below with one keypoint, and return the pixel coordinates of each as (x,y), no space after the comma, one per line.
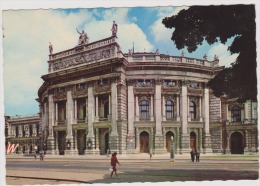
(193,141)
(144,142)
(236,143)
(81,139)
(62,142)
(107,148)
(169,134)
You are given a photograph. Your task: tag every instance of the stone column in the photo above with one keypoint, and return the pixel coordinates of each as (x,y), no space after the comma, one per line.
(76,140)
(114,143)
(69,119)
(136,108)
(158,119)
(246,141)
(56,147)
(97,114)
(151,141)
(9,131)
(163,108)
(188,108)
(20,131)
(130,109)
(200,108)
(178,108)
(207,138)
(34,130)
(51,120)
(56,113)
(177,144)
(137,140)
(152,116)
(109,110)
(86,119)
(75,111)
(185,138)
(91,112)
(200,139)
(97,138)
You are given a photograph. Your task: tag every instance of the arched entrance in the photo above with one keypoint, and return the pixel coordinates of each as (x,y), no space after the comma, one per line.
(107,143)
(193,141)
(169,134)
(236,143)
(62,142)
(144,142)
(81,140)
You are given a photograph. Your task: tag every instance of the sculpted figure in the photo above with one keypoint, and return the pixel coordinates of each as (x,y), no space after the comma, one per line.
(50,48)
(83,38)
(114,29)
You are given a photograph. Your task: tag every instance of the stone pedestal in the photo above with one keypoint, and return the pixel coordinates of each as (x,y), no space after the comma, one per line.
(71,152)
(207,148)
(50,145)
(185,144)
(158,144)
(114,143)
(130,146)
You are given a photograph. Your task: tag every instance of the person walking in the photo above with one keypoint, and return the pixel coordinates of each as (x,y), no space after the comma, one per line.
(41,155)
(197,156)
(192,155)
(114,161)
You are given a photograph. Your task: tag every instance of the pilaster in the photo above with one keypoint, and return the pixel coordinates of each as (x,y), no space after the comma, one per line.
(207,137)
(185,138)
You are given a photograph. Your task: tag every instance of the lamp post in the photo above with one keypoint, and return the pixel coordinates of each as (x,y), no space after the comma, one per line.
(172,149)
(68,145)
(89,144)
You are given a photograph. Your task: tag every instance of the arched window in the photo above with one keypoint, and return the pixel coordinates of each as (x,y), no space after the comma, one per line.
(144,109)
(192,110)
(169,109)
(236,114)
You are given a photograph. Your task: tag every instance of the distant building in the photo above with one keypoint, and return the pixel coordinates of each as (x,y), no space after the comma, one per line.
(23,130)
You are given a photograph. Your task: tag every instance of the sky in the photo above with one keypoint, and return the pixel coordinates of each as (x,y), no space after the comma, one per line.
(27,33)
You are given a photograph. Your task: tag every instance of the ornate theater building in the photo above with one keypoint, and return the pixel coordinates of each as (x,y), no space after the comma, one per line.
(96,99)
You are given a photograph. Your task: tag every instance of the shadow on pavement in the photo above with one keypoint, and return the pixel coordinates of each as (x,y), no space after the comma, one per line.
(179,175)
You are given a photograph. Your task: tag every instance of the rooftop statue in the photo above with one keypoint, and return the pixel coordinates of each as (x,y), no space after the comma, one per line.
(83,38)
(50,48)
(114,29)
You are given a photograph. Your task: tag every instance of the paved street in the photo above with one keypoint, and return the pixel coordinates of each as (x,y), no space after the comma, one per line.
(78,169)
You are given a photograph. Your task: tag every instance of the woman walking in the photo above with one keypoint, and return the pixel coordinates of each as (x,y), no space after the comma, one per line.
(114,161)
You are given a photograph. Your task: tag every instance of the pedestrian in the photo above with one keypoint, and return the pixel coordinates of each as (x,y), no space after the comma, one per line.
(41,155)
(197,156)
(114,161)
(192,153)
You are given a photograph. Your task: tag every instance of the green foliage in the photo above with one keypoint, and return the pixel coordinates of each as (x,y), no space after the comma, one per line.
(219,23)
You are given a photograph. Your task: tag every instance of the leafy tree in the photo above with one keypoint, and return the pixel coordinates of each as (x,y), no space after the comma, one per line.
(219,23)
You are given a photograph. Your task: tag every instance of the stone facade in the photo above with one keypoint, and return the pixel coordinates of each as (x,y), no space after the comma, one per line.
(96,100)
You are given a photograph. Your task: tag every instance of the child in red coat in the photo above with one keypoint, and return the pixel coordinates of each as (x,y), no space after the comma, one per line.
(114,161)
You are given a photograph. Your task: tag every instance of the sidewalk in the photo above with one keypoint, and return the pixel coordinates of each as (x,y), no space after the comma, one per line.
(137,157)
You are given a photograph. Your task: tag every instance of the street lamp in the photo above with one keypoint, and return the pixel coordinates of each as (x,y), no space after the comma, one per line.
(68,145)
(89,144)
(172,149)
